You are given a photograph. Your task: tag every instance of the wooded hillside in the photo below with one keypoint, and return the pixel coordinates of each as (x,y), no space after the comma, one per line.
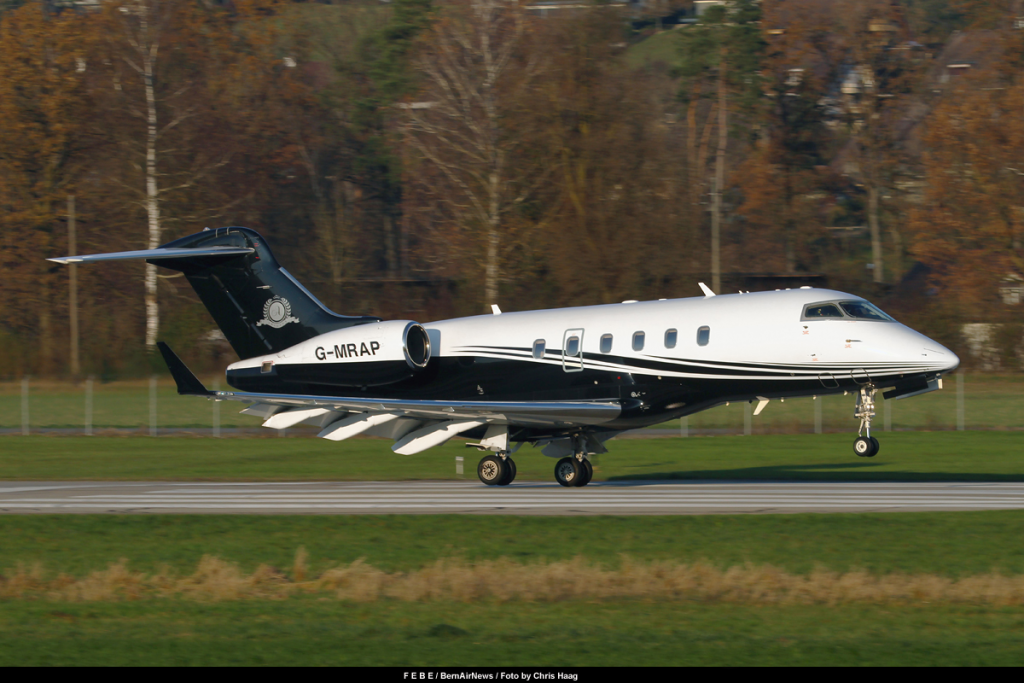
(427,158)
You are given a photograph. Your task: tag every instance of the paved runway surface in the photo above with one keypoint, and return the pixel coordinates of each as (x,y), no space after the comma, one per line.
(618,498)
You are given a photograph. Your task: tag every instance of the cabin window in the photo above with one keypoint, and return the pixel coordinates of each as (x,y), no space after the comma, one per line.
(670,339)
(638,341)
(822,311)
(538,349)
(606,343)
(703,336)
(267,366)
(572,346)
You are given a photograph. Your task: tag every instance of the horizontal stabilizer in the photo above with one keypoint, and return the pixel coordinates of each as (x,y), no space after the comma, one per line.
(187,383)
(155,254)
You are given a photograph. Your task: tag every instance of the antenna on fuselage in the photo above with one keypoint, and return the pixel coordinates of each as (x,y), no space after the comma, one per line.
(707,290)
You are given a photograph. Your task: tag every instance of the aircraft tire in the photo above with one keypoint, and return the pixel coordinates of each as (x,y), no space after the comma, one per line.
(491,470)
(567,471)
(874,452)
(587,472)
(510,472)
(864,447)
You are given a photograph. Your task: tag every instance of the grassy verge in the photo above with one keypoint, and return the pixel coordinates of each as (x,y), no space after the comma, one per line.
(991,402)
(467,621)
(948,544)
(918,456)
(313,632)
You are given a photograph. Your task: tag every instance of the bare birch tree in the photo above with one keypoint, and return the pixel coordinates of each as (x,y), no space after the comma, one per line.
(473,64)
(175,69)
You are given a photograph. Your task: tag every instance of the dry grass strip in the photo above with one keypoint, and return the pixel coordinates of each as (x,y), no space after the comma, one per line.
(504,580)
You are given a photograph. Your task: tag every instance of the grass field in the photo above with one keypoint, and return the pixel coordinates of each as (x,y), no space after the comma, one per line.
(321,629)
(949,544)
(991,402)
(905,456)
(313,632)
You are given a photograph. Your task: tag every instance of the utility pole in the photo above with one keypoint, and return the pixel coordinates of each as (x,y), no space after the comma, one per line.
(73,275)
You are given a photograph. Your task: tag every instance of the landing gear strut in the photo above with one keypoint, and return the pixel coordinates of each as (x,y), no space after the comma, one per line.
(865,445)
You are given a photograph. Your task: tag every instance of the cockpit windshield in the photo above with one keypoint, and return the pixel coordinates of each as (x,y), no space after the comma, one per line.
(844,310)
(822,311)
(862,310)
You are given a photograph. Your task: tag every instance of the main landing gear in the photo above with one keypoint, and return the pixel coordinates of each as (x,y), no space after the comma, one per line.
(496,470)
(575,470)
(865,445)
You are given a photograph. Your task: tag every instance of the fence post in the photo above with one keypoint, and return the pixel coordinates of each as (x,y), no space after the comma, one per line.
(960,400)
(887,415)
(748,418)
(817,413)
(24,406)
(216,413)
(88,406)
(152,405)
(684,426)
(459,460)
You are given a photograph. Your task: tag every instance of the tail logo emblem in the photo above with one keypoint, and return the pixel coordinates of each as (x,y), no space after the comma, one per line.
(277,312)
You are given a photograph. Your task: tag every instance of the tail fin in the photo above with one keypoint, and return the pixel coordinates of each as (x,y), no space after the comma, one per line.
(258,305)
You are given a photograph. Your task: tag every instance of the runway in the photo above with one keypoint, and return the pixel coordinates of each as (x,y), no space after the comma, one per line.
(527,498)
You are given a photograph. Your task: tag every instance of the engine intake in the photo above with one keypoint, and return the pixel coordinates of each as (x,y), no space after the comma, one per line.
(416,345)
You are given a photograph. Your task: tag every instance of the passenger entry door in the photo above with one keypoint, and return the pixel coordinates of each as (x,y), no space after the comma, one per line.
(572,351)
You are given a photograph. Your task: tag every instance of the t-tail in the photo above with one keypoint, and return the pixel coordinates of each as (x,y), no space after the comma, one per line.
(258,305)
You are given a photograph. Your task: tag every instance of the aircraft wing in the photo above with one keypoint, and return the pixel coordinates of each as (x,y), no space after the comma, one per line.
(416,424)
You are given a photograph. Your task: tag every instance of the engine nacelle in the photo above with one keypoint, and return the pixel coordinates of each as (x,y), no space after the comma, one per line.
(372,354)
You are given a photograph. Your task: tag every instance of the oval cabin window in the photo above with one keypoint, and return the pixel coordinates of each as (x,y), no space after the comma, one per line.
(703,336)
(638,341)
(606,343)
(538,349)
(670,339)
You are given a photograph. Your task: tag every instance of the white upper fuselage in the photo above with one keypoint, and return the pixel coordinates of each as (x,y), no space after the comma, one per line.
(755,329)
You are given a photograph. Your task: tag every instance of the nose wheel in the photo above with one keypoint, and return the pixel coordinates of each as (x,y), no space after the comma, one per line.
(865,445)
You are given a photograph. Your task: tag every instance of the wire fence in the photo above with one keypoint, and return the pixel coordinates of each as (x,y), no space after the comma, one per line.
(153,407)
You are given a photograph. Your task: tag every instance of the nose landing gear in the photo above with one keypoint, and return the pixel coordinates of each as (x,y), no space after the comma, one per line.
(865,445)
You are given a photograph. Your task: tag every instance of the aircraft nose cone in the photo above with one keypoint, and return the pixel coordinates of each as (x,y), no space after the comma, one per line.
(944,360)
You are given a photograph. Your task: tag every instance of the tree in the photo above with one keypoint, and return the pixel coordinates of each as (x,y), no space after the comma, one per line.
(782,175)
(178,75)
(473,63)
(879,91)
(45,143)
(724,46)
(970,227)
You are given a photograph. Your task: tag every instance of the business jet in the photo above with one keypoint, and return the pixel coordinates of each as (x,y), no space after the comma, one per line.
(565,380)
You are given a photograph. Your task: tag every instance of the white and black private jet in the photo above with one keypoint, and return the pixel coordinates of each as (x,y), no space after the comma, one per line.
(564,379)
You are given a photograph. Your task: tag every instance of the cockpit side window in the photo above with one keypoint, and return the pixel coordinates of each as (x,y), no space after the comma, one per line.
(816,311)
(862,310)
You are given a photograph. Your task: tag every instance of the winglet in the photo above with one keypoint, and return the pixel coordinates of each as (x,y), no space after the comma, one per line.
(187,383)
(707,290)
(495,310)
